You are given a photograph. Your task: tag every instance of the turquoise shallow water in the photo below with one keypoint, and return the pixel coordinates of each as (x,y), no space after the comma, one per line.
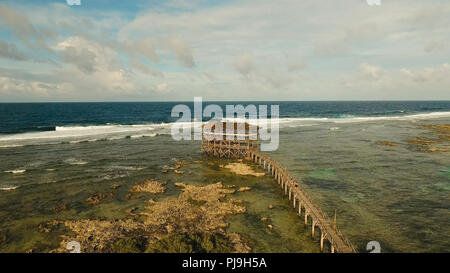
(396,195)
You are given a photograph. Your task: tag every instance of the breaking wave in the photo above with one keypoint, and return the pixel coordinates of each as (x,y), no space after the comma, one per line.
(81,134)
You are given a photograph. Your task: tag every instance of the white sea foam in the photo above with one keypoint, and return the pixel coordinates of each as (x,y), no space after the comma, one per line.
(80,131)
(79,134)
(143,135)
(349,119)
(8,187)
(73,161)
(19,171)
(11,146)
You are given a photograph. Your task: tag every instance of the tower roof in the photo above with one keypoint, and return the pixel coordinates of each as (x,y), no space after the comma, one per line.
(236,128)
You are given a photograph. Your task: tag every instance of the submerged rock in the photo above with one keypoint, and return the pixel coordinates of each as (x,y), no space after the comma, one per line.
(421,141)
(387,143)
(441,137)
(96,199)
(434,149)
(59,208)
(194,243)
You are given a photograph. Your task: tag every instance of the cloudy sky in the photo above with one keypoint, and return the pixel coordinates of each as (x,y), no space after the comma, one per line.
(224,50)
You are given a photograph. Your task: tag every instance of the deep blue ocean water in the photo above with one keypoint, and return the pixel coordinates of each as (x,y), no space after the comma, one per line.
(34,117)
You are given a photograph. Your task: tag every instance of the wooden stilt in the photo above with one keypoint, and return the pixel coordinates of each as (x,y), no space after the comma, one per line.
(322,236)
(334,220)
(312,228)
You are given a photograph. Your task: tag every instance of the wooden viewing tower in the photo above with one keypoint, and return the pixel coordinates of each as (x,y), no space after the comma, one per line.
(229,139)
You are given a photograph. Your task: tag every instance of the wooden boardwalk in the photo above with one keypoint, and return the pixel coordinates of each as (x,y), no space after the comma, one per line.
(300,198)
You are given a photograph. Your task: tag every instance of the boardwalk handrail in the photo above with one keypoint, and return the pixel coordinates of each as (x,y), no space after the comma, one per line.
(321,218)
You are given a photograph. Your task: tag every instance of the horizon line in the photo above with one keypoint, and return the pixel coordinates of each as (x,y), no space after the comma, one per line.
(147,101)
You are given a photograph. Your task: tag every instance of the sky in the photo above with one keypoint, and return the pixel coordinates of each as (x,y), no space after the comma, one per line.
(232,50)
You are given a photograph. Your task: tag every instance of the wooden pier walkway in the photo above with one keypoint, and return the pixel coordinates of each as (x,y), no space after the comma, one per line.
(300,198)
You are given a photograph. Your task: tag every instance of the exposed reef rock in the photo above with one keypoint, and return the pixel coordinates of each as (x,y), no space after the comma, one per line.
(98,235)
(149,186)
(241,189)
(48,227)
(192,222)
(242,169)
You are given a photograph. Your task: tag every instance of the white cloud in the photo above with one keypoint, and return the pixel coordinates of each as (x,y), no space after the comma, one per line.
(145,69)
(336,50)
(244,64)
(144,47)
(182,51)
(162,87)
(8,50)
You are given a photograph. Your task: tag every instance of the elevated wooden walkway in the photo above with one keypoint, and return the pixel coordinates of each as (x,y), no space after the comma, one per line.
(245,144)
(299,197)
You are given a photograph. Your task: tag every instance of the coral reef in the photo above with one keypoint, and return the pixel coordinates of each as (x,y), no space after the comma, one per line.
(441,134)
(192,222)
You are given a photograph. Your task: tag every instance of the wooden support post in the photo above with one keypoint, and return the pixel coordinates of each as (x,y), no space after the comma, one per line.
(312,228)
(290,193)
(322,236)
(294,200)
(299,207)
(306,217)
(334,220)
(332,247)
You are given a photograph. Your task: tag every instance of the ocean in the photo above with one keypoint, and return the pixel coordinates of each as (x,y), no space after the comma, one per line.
(366,160)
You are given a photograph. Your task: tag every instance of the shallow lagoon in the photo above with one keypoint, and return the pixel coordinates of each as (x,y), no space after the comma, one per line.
(396,195)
